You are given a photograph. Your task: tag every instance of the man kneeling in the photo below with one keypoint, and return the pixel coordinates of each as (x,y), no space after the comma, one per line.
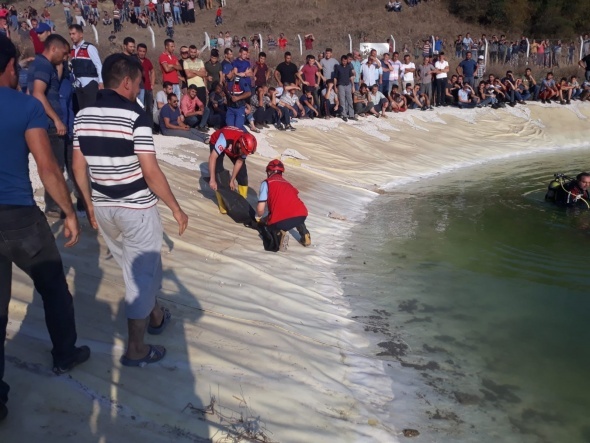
(285,210)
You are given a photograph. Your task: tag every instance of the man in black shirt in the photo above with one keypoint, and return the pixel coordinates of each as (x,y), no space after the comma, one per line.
(344,82)
(286,71)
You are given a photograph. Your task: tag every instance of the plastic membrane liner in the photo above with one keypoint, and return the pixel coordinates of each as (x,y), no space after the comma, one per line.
(474,291)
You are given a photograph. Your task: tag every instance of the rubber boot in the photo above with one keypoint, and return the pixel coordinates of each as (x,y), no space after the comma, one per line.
(220,203)
(305,239)
(243,191)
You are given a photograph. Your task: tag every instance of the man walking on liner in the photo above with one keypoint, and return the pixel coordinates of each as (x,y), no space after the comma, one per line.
(26,239)
(113,140)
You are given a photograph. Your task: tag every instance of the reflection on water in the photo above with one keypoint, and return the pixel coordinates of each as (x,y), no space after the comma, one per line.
(481,288)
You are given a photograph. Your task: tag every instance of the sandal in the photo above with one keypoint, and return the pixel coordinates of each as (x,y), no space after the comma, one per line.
(256,130)
(155,354)
(157,330)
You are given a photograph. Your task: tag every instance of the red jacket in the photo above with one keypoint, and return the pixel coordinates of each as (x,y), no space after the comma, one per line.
(283,200)
(231,134)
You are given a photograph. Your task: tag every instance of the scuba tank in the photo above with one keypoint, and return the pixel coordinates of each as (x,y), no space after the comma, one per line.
(555,185)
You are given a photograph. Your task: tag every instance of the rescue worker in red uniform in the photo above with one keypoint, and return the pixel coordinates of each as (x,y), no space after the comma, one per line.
(236,145)
(285,209)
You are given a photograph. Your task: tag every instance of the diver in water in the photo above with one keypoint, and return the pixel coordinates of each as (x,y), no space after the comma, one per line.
(572,193)
(285,210)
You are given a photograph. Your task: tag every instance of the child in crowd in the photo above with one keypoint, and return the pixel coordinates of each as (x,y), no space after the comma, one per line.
(169,25)
(218,18)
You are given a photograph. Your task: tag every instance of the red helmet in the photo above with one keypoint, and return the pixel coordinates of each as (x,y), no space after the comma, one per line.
(275,166)
(247,144)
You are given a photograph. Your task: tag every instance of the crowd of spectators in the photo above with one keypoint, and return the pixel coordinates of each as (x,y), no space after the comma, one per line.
(237,90)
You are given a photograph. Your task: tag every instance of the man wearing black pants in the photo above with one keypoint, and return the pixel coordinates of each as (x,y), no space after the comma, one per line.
(441,68)
(25,236)
(43,82)
(87,67)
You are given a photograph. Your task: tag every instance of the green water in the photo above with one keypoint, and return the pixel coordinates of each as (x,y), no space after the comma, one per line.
(479,294)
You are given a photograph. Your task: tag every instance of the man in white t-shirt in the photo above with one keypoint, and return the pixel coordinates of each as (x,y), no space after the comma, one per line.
(441,68)
(396,70)
(371,69)
(409,68)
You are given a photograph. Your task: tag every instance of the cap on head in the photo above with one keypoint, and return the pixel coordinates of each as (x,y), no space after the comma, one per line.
(43,27)
(480,57)
(275,166)
(247,144)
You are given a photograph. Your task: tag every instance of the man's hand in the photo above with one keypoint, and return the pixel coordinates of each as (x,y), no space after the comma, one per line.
(100,86)
(71,229)
(232,185)
(213,184)
(61,128)
(182,220)
(91,217)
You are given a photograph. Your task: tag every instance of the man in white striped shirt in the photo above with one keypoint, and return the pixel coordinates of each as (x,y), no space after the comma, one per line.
(113,141)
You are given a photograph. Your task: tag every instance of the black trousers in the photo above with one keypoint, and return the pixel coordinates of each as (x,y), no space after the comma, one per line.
(241,178)
(27,241)
(86,96)
(58,147)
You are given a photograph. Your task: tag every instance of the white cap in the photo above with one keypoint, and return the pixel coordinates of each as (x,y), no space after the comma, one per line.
(480,57)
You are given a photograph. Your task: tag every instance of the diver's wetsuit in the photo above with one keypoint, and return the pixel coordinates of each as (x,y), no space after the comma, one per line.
(572,195)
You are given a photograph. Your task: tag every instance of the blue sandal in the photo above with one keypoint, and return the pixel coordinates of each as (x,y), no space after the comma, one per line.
(157,330)
(155,354)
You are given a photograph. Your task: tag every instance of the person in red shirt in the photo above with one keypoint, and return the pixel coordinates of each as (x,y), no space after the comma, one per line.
(237,145)
(170,66)
(149,78)
(285,210)
(310,75)
(261,71)
(39,34)
(282,41)
(309,39)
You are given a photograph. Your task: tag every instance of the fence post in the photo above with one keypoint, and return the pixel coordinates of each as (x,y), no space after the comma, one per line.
(350,43)
(485,52)
(528,50)
(153,37)
(95,34)
(393,42)
(432,39)
(207,44)
(260,37)
(300,45)
(581,47)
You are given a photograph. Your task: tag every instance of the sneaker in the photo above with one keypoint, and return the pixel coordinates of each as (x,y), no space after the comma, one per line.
(430,108)
(306,240)
(81,354)
(283,240)
(289,128)
(568,102)
(354,118)
(3,411)
(345,119)
(204,129)
(294,120)
(280,127)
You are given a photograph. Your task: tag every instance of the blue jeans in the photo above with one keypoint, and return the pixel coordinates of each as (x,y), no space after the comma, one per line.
(177,19)
(199,120)
(27,241)
(137,10)
(141,96)
(236,117)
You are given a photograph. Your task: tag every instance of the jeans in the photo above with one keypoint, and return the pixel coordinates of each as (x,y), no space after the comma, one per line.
(137,10)
(27,241)
(236,117)
(177,15)
(193,120)
(149,105)
(345,99)
(141,97)
(58,147)
(440,84)
(176,90)
(286,115)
